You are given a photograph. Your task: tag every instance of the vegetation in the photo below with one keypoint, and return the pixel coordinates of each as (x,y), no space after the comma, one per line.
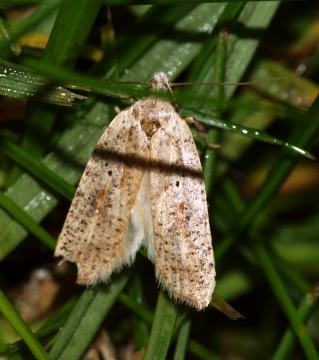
(263,199)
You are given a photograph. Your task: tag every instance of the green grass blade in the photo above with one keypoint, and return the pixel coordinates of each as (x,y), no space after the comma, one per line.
(39,15)
(283,165)
(67,38)
(162,329)
(182,340)
(246,131)
(18,82)
(86,318)
(36,168)
(140,325)
(35,145)
(25,220)
(301,137)
(185,45)
(22,328)
(287,344)
(285,302)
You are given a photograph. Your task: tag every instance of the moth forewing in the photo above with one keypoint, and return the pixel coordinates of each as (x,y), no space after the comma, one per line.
(95,232)
(143,184)
(184,256)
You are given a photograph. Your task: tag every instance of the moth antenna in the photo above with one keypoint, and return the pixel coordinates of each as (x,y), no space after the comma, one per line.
(160,81)
(245,83)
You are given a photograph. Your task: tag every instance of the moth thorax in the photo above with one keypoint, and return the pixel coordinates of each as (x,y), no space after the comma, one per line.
(150,126)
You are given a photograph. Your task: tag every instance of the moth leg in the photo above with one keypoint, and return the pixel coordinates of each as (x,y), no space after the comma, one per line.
(132,100)
(200,131)
(117,109)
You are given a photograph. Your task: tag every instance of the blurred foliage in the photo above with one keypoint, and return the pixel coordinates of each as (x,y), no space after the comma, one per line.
(263,199)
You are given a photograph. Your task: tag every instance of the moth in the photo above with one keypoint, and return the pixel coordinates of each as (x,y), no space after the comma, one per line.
(143,185)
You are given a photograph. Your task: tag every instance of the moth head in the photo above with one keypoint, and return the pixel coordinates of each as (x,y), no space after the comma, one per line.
(160,81)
